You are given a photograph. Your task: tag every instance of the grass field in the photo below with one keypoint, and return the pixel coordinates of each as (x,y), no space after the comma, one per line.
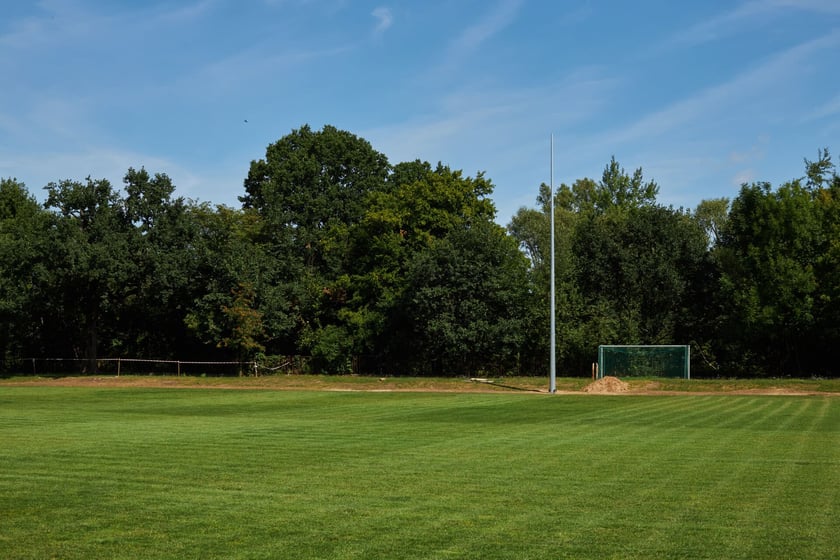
(136,472)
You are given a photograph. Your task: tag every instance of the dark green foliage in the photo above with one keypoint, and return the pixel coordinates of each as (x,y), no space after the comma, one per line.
(164,237)
(430,241)
(778,276)
(712,216)
(310,187)
(245,299)
(625,265)
(616,189)
(92,265)
(24,269)
(468,304)
(372,268)
(640,262)
(309,191)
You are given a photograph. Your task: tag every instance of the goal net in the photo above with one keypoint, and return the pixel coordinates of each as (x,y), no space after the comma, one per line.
(638,360)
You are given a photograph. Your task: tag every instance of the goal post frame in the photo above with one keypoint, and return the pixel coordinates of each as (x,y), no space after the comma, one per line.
(602,369)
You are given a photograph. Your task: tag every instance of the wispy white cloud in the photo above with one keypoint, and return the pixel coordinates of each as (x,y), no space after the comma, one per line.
(700,124)
(10,125)
(723,154)
(744,161)
(756,152)
(494,21)
(46,122)
(241,70)
(484,114)
(384,19)
(755,11)
(577,15)
(218,184)
(187,13)
(497,130)
(743,176)
(828,109)
(718,99)
(473,37)
(100,163)
(55,22)
(815,6)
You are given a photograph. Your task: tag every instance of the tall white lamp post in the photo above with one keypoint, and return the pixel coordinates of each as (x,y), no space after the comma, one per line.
(553,369)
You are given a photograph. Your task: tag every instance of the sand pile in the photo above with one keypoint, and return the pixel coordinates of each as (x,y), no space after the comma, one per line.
(607,385)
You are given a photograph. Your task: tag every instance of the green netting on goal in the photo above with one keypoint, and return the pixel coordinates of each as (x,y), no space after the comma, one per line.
(627,360)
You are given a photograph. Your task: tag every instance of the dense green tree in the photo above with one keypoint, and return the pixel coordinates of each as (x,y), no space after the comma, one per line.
(244,301)
(712,214)
(532,229)
(310,187)
(245,324)
(340,256)
(24,267)
(637,267)
(91,268)
(162,246)
(820,174)
(767,255)
(468,303)
(624,265)
(827,273)
(618,189)
(310,190)
(422,207)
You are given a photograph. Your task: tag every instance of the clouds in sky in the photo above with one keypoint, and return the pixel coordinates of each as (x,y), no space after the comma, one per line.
(751,13)
(92,87)
(384,18)
(501,14)
(722,98)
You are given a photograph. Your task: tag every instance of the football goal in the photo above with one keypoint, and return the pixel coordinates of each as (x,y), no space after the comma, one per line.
(639,360)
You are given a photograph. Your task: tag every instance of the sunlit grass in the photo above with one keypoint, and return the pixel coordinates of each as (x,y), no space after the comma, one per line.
(168,473)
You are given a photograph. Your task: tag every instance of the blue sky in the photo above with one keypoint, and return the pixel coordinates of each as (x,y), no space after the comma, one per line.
(703,95)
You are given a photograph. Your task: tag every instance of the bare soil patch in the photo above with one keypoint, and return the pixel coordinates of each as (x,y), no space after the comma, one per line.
(565,386)
(607,385)
(290,382)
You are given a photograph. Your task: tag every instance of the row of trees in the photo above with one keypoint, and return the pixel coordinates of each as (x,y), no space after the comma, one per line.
(751,283)
(401,269)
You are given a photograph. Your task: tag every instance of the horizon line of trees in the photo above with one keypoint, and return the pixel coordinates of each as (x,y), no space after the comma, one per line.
(402,270)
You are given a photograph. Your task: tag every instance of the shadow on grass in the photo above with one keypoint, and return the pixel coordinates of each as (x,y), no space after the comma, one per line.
(483,381)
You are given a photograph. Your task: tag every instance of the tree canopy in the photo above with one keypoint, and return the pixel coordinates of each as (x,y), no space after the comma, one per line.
(360,265)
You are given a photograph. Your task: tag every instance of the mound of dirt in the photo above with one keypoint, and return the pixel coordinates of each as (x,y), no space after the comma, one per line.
(607,385)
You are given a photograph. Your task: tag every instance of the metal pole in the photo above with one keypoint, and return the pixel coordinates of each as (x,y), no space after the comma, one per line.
(553,376)
(688,361)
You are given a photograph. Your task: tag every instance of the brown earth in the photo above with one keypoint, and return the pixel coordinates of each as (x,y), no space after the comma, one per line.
(607,385)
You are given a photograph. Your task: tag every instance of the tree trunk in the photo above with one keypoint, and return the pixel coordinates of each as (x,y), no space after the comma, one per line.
(91,346)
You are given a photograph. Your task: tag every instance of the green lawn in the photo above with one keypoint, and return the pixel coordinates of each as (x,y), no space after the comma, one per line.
(175,473)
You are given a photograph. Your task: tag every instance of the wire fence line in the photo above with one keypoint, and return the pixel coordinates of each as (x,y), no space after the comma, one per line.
(262,365)
(130,366)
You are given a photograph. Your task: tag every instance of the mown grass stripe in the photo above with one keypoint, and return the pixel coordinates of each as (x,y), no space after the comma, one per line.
(220,474)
